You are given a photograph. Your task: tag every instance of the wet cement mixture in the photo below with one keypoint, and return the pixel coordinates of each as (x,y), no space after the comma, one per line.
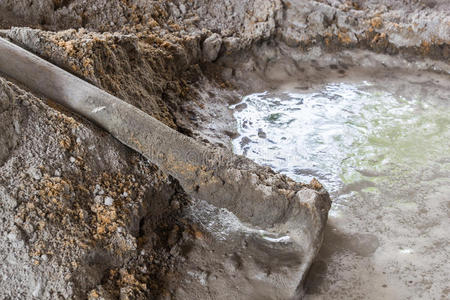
(84,216)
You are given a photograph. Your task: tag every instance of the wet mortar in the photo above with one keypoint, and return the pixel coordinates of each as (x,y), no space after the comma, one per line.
(383,155)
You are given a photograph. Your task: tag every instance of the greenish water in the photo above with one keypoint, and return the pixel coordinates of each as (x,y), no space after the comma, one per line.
(385,159)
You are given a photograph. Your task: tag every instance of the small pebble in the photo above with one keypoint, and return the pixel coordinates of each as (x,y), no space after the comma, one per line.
(72,159)
(109,201)
(182,8)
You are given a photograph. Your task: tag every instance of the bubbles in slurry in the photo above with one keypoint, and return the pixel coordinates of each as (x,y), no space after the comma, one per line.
(293,124)
(384,156)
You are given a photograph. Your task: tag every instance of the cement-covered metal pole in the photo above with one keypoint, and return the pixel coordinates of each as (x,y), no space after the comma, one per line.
(219,177)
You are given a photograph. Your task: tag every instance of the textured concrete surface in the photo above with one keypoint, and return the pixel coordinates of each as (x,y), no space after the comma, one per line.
(86,217)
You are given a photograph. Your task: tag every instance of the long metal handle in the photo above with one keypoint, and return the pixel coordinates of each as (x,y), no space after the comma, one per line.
(220,178)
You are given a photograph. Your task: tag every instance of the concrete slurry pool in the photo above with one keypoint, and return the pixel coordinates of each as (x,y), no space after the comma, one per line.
(384,156)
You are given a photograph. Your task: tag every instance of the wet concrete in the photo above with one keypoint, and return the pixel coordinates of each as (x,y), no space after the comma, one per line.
(381,150)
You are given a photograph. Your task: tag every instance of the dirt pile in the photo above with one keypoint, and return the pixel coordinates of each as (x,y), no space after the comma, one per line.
(72,203)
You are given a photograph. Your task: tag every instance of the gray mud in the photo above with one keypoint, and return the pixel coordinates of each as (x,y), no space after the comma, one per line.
(83,216)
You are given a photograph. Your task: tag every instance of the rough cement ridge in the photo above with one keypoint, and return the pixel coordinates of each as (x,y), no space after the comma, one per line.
(413,29)
(418,28)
